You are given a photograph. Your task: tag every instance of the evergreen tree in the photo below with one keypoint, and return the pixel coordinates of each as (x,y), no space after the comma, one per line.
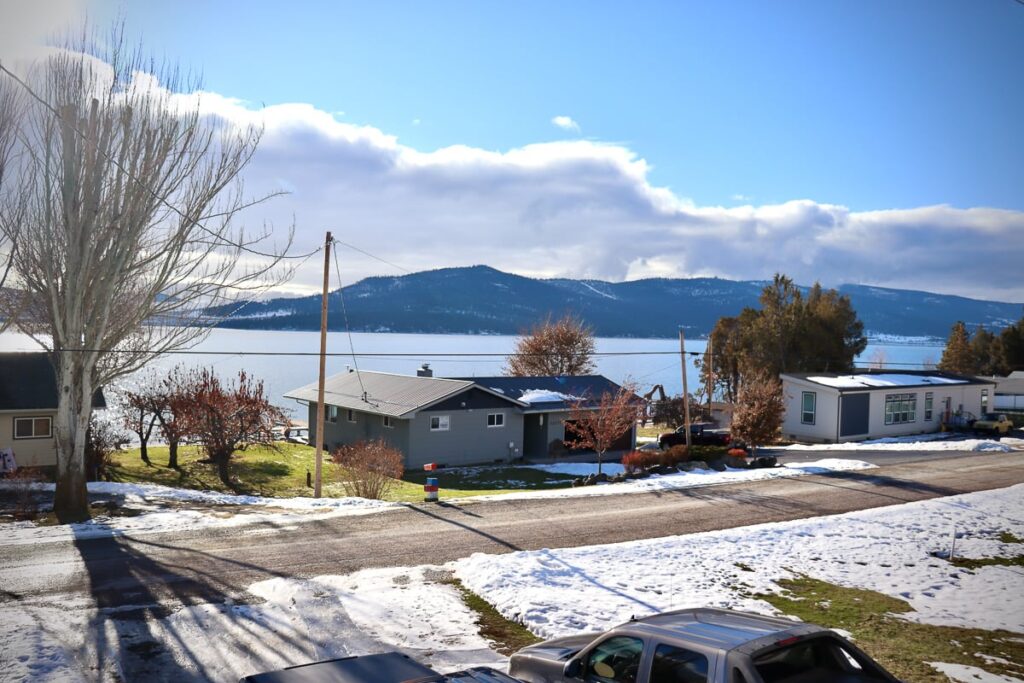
(987,350)
(1011,348)
(958,356)
(789,333)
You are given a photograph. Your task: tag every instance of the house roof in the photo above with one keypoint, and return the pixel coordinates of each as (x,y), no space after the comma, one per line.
(1010,386)
(386,393)
(28,382)
(543,394)
(876,379)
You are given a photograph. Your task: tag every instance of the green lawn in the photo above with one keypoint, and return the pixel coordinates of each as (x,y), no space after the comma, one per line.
(902,646)
(282,471)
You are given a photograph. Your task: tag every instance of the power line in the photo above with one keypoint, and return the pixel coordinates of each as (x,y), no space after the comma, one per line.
(373,256)
(163,200)
(344,315)
(423,354)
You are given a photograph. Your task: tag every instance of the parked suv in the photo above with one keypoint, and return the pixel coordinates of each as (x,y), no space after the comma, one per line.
(698,646)
(701,434)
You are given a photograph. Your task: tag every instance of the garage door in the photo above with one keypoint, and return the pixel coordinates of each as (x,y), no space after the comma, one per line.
(853,414)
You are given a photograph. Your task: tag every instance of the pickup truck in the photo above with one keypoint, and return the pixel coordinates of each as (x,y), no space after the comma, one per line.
(996,423)
(686,646)
(700,435)
(700,645)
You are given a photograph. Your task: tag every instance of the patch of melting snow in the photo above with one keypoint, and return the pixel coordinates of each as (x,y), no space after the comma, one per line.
(962,673)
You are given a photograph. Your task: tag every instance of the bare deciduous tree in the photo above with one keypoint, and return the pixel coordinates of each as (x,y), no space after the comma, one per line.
(138,415)
(125,224)
(552,349)
(597,428)
(757,416)
(226,417)
(10,111)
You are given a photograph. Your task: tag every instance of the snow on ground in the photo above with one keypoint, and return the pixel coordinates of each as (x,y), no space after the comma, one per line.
(920,442)
(558,592)
(961,673)
(279,622)
(669,482)
(156,516)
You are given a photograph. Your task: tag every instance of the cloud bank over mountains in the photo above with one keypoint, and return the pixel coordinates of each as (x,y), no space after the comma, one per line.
(581,208)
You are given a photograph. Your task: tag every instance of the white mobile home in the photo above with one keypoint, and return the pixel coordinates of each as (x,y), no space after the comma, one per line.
(829,408)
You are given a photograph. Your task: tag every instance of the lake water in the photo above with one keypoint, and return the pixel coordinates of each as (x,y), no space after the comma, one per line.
(658,364)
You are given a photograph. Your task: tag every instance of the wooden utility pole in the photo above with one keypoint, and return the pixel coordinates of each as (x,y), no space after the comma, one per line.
(323,372)
(711,373)
(686,392)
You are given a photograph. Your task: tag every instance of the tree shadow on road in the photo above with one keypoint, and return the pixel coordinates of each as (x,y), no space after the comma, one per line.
(165,620)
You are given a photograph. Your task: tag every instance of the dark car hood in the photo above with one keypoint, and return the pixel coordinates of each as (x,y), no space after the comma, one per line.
(559,649)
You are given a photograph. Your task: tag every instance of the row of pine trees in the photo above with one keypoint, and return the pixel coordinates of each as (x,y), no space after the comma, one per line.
(984,352)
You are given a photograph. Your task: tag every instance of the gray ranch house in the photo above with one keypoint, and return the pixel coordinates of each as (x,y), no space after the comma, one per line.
(452,421)
(827,407)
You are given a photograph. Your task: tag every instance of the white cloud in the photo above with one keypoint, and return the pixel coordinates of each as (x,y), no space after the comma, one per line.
(580,208)
(566,123)
(586,209)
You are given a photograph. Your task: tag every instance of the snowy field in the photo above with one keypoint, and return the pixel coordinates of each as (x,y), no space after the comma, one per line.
(285,621)
(885,549)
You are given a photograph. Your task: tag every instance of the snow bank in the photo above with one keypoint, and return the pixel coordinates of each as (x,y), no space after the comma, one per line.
(156,517)
(155,492)
(558,592)
(669,482)
(920,442)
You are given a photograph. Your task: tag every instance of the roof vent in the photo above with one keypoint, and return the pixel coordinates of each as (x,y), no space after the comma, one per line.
(425,371)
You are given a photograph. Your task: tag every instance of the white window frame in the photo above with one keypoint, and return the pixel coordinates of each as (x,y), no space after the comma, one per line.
(350,415)
(499,421)
(332,413)
(387,421)
(900,409)
(32,420)
(929,405)
(803,407)
(444,423)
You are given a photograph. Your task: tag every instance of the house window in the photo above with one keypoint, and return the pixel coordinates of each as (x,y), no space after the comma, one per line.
(984,401)
(495,419)
(540,419)
(33,427)
(439,423)
(900,408)
(928,400)
(332,413)
(350,415)
(808,406)
(387,421)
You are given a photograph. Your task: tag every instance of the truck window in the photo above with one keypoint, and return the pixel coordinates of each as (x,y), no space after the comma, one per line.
(678,665)
(616,660)
(823,659)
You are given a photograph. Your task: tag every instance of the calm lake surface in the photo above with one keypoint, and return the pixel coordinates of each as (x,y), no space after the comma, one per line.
(658,365)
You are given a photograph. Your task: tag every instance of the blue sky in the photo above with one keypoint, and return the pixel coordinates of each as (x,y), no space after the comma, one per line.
(871,142)
(872,105)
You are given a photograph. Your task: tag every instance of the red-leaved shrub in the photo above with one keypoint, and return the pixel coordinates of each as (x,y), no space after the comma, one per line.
(642,460)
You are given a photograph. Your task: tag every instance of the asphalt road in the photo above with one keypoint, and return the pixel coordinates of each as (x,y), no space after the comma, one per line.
(164,570)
